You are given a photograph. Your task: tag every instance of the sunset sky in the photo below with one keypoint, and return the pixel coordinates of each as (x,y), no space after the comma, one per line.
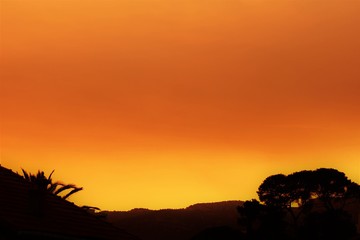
(166,103)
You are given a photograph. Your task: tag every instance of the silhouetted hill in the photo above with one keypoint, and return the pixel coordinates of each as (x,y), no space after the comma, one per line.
(176,224)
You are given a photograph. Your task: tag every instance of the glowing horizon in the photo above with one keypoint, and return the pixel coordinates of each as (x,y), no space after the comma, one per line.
(161,104)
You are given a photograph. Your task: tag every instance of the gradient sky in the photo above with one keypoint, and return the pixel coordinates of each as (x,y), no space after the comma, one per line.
(161,104)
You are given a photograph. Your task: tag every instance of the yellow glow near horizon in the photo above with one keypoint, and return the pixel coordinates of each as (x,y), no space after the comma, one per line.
(134,180)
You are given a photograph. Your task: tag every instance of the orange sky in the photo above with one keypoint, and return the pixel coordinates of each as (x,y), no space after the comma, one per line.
(161,104)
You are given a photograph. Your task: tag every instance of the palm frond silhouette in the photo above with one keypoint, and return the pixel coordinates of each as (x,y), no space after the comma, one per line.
(46,184)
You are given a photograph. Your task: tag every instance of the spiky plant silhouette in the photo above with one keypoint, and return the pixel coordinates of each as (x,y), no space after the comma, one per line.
(46,184)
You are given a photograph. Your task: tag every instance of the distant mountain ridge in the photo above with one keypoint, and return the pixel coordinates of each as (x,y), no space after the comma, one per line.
(175,224)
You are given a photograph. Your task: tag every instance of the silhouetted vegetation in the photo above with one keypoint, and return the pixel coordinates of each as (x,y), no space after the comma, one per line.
(320,204)
(302,205)
(29,210)
(316,205)
(45,184)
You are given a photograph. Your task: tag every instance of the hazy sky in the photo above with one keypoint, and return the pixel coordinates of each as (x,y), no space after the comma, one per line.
(161,104)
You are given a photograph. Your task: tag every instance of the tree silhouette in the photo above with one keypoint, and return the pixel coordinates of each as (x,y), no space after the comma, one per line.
(46,184)
(299,187)
(296,193)
(262,222)
(251,214)
(332,187)
(274,191)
